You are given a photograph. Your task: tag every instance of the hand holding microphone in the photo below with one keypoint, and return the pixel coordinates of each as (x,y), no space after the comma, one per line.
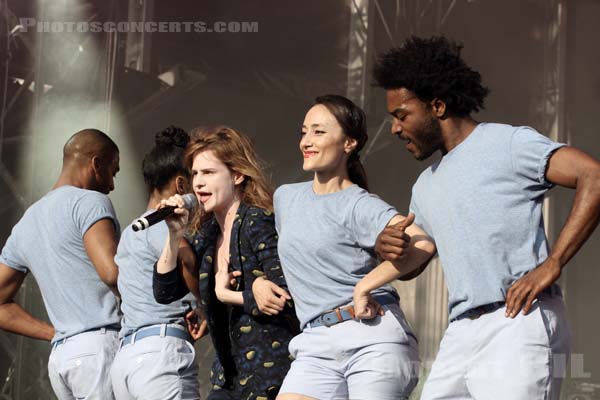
(176,205)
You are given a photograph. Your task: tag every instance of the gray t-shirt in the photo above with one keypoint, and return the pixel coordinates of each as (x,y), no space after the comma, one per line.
(326,244)
(136,256)
(48,241)
(482,205)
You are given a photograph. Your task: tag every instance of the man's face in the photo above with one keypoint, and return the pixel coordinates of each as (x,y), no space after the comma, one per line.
(105,174)
(413,121)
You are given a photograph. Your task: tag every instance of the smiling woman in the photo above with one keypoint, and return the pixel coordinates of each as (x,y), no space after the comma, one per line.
(356,342)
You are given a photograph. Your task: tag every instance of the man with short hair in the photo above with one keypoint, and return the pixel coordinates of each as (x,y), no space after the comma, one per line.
(68,240)
(481,202)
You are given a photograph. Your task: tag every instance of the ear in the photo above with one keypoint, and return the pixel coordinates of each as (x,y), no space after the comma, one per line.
(96,164)
(181,184)
(438,108)
(238,178)
(349,145)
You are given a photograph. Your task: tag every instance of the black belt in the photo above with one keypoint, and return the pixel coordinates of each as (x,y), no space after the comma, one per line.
(476,312)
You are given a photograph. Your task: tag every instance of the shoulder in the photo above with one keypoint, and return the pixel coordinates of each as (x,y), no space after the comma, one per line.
(257,215)
(90,198)
(505,133)
(290,189)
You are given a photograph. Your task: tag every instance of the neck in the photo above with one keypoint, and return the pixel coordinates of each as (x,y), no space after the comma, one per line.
(455,131)
(325,182)
(226,216)
(72,178)
(157,195)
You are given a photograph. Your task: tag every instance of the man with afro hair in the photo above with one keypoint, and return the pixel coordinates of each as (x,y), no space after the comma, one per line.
(481,202)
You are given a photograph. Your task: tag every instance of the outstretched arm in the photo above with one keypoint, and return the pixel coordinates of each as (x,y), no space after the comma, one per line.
(13,318)
(572,168)
(418,250)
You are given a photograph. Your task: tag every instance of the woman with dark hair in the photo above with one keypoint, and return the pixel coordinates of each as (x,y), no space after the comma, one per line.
(156,359)
(250,316)
(355,341)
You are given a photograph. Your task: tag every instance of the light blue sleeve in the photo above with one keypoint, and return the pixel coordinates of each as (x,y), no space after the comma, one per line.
(530,152)
(157,236)
(419,217)
(91,208)
(11,256)
(370,216)
(277,207)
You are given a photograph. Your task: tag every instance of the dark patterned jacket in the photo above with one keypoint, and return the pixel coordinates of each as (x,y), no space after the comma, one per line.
(251,348)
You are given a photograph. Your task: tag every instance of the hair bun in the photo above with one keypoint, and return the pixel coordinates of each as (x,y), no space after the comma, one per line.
(172,136)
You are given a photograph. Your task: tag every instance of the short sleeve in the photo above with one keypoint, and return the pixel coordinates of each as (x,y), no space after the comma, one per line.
(530,152)
(370,216)
(419,217)
(157,236)
(90,209)
(10,254)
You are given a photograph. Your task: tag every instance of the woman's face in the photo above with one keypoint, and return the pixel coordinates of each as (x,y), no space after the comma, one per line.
(324,145)
(214,184)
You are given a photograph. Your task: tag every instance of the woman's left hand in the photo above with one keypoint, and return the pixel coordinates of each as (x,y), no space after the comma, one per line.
(365,307)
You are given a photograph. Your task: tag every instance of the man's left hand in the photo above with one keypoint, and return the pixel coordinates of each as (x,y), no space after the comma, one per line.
(524,291)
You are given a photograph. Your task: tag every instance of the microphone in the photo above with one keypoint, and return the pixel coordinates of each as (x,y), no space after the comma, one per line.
(190,201)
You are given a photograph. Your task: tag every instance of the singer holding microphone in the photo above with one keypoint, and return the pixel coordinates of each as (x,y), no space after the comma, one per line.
(156,357)
(250,319)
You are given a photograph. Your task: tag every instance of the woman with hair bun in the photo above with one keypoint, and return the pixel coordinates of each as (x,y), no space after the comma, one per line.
(156,359)
(250,315)
(355,341)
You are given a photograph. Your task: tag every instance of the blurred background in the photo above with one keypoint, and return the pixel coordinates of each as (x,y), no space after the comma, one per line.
(258,71)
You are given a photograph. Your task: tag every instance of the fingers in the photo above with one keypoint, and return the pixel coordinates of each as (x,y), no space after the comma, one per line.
(515,297)
(175,201)
(390,233)
(282,293)
(203,330)
(233,278)
(406,222)
(270,311)
(529,302)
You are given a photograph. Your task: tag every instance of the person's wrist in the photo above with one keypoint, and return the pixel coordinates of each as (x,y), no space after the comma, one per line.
(360,290)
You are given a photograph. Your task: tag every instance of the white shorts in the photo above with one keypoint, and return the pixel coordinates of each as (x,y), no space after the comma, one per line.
(358,360)
(494,357)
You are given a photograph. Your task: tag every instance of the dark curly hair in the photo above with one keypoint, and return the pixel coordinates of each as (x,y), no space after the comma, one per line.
(432,68)
(165,160)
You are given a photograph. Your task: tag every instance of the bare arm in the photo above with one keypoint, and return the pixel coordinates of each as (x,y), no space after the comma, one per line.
(418,252)
(100,242)
(189,268)
(572,168)
(13,318)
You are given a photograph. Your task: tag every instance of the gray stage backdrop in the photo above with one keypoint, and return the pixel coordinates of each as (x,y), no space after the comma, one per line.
(540,58)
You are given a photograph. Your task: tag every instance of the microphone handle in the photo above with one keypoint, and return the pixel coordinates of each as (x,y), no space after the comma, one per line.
(153,218)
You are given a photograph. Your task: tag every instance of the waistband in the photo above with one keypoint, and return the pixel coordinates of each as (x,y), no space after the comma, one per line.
(345,313)
(162,330)
(476,312)
(102,331)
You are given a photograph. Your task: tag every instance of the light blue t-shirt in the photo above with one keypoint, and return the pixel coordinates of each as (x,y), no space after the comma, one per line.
(326,244)
(136,255)
(482,205)
(48,241)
